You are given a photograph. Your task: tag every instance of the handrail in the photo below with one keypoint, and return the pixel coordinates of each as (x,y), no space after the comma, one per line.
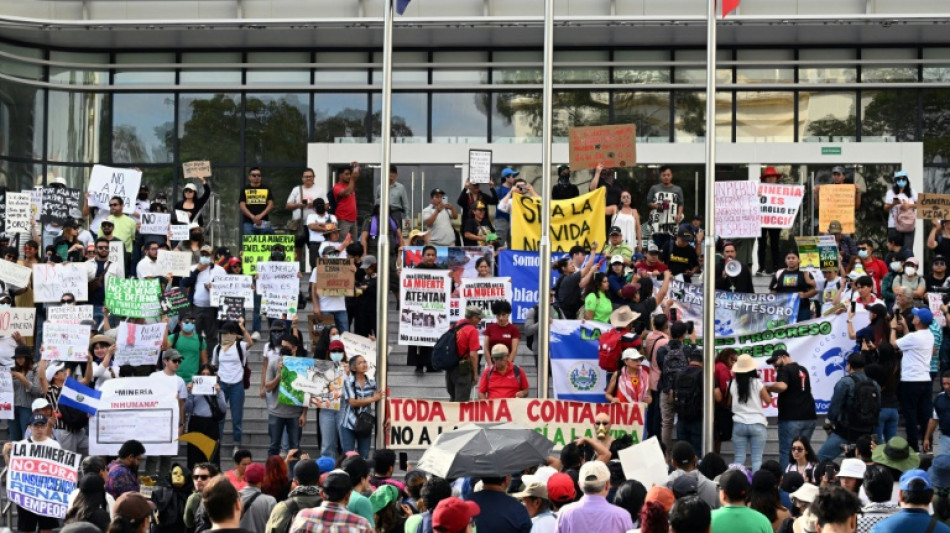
(6,504)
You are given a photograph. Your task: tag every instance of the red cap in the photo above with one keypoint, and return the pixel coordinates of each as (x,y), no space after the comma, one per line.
(561,488)
(453,514)
(337,346)
(254,473)
(234,261)
(662,496)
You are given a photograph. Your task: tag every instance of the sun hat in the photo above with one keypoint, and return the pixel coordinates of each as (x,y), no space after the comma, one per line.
(896,454)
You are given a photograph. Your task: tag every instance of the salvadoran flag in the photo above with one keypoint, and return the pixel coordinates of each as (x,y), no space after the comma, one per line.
(401,6)
(575,368)
(79,396)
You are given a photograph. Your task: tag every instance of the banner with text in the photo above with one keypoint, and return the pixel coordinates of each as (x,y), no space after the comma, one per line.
(578,221)
(423,306)
(18,214)
(836,202)
(155,224)
(196,169)
(42,477)
(335,277)
(106,182)
(930,206)
(143,409)
(60,204)
(736,313)
(459,259)
(233,285)
(69,314)
(178,263)
(173,301)
(613,146)
(314,383)
(14,274)
(257,248)
(779,204)
(737,210)
(133,298)
(65,342)
(139,344)
(17,320)
(482,293)
(52,280)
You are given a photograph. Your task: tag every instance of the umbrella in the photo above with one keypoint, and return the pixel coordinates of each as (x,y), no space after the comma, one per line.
(485,450)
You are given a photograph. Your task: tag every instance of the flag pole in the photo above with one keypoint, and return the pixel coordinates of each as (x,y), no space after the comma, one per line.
(544,247)
(382,257)
(709,243)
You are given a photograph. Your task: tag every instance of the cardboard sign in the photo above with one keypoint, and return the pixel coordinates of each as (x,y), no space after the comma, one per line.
(42,477)
(231,308)
(737,210)
(479,166)
(482,293)
(257,248)
(133,298)
(65,342)
(335,277)
(578,221)
(196,169)
(117,257)
(424,306)
(173,301)
(106,182)
(155,223)
(69,314)
(358,345)
(613,146)
(178,263)
(645,463)
(929,206)
(779,204)
(139,344)
(18,213)
(179,232)
(6,394)
(14,274)
(17,320)
(60,204)
(836,202)
(204,385)
(52,280)
(143,409)
(311,382)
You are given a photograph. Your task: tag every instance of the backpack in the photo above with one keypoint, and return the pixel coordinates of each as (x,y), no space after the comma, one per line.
(673,363)
(491,370)
(292,509)
(241,356)
(865,404)
(688,394)
(906,220)
(609,350)
(445,353)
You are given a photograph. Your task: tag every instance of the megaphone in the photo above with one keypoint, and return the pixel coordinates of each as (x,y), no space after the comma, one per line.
(733,268)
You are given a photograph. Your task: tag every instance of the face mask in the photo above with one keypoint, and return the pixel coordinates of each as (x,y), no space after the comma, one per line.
(188,328)
(854,275)
(336,357)
(277,256)
(143,196)
(194,236)
(286,351)
(901,183)
(910,271)
(863,254)
(275,338)
(896,266)
(205,260)
(4,306)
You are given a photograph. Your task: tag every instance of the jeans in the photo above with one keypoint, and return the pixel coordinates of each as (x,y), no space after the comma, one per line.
(351,442)
(943,445)
(256,319)
(788,431)
(771,235)
(459,382)
(234,393)
(340,318)
(277,427)
(251,229)
(917,406)
(691,432)
(831,449)
(751,438)
(668,413)
(330,421)
(21,421)
(887,424)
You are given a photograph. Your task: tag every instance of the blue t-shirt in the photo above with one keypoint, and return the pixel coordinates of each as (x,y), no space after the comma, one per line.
(501,191)
(909,520)
(506,515)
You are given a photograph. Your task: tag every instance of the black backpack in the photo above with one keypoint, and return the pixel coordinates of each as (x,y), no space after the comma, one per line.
(688,394)
(445,353)
(865,406)
(674,362)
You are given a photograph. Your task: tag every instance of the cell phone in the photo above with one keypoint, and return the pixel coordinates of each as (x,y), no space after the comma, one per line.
(854,305)
(403,461)
(674,314)
(830,473)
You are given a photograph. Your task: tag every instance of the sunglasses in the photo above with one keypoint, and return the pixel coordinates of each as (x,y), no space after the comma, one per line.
(102,247)
(68,301)
(798,449)
(255,175)
(601,423)
(200,477)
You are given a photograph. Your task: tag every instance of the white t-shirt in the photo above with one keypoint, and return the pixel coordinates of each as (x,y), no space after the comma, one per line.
(149,269)
(202,297)
(317,236)
(230,364)
(329,303)
(441,232)
(750,412)
(309,194)
(179,383)
(892,214)
(918,349)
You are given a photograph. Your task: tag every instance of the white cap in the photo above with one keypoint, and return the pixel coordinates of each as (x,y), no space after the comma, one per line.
(805,493)
(59,179)
(852,468)
(631,353)
(39,403)
(595,471)
(52,369)
(541,475)
(616,259)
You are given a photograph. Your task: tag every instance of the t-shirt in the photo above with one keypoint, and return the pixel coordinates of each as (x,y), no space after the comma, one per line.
(477,228)
(361,505)
(189,346)
(178,382)
(345,206)
(505,514)
(751,411)
(890,197)
(918,349)
(230,364)
(317,236)
(787,281)
(505,384)
(306,193)
(255,199)
(501,334)
(682,258)
(663,219)
(440,232)
(739,519)
(797,402)
(466,340)
(274,407)
(124,230)
(569,292)
(600,304)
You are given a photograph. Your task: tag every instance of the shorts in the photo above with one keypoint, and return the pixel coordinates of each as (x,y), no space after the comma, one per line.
(27,521)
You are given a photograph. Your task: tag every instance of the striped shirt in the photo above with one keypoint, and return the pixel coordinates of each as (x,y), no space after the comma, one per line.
(353,390)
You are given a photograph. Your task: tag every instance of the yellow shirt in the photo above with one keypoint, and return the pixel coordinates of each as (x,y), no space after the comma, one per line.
(124,230)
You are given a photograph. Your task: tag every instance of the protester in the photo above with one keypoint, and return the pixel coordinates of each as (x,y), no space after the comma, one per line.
(684,461)
(123,471)
(835,510)
(741,280)
(242,458)
(460,379)
(133,514)
(170,499)
(764,498)
(26,389)
(802,459)
(666,202)
(256,203)
(792,279)
(749,422)
(438,217)
(877,485)
(654,516)
(940,418)
(91,503)
(384,465)
(854,409)
(359,395)
(501,331)
(507,514)
(502,379)
(283,421)
(593,507)
(305,495)
(734,516)
(230,358)
(42,434)
(690,515)
(617,246)
(358,470)
(796,405)
(630,495)
(195,516)
(189,343)
(900,203)
(575,273)
(915,497)
(256,506)
(224,505)
(939,474)
(597,302)
(632,383)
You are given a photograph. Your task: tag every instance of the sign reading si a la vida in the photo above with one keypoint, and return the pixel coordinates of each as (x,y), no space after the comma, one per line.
(577,221)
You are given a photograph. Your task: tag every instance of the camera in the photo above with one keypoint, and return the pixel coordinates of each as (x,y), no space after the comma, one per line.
(946,298)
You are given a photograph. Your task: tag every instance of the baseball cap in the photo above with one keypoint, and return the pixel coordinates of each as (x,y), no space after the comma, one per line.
(615,259)
(367,261)
(172,354)
(924,315)
(39,403)
(615,230)
(337,346)
(837,170)
(52,369)
(563,167)
(542,474)
(72,223)
(499,351)
(324,463)
(133,506)
(912,260)
(852,468)
(684,485)
(561,488)
(595,471)
(383,496)
(474,310)
(190,187)
(206,248)
(901,174)
(653,249)
(336,480)
(37,419)
(58,180)
(534,489)
(23,351)
(478,205)
(629,291)
(254,473)
(775,355)
(663,495)
(834,227)
(685,234)
(435,192)
(908,477)
(508,172)
(682,453)
(453,514)
(631,353)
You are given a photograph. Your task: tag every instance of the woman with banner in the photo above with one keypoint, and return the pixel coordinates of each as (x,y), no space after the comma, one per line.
(632,383)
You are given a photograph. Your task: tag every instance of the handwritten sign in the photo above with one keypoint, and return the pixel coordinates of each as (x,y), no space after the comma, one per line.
(614,146)
(179,232)
(836,202)
(52,280)
(133,298)
(139,344)
(60,204)
(257,248)
(18,213)
(335,277)
(117,257)
(6,394)
(232,285)
(778,204)
(311,382)
(42,477)
(178,263)
(934,301)
(737,209)
(358,345)
(479,166)
(173,301)
(828,252)
(14,274)
(196,169)
(279,306)
(65,342)
(231,308)
(106,182)
(69,314)
(203,385)
(17,320)
(275,277)
(155,223)
(423,306)
(929,206)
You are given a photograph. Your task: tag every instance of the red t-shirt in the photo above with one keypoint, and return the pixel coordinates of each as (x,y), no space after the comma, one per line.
(501,334)
(345,207)
(502,384)
(659,266)
(466,339)
(723,375)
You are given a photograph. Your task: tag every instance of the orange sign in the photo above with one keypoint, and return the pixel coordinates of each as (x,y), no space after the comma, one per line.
(836,202)
(614,146)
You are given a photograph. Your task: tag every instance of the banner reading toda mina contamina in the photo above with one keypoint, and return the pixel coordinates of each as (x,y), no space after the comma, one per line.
(416,423)
(578,221)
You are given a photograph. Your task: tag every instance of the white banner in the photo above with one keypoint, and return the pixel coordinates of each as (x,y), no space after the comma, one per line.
(237,285)
(52,280)
(278,278)
(68,314)
(139,344)
(14,274)
(18,213)
(179,231)
(778,204)
(117,257)
(17,320)
(482,293)
(424,306)
(355,345)
(65,342)
(737,209)
(106,182)
(136,408)
(203,385)
(155,224)
(178,263)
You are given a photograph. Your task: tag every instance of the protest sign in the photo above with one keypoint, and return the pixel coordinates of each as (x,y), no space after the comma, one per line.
(231,308)
(42,477)
(309,382)
(65,342)
(18,213)
(460,259)
(196,169)
(133,298)
(523,269)
(836,202)
(17,320)
(736,313)
(335,277)
(60,204)
(827,252)
(203,385)
(179,232)
(280,278)
(173,301)
(779,204)
(808,252)
(14,274)
(358,345)
(934,301)
(52,280)
(930,206)
(69,314)
(6,393)
(155,224)
(612,146)
(479,166)
(645,463)
(139,344)
(143,409)
(117,257)
(424,306)
(178,263)
(257,248)
(106,182)
(737,210)
(183,217)
(279,306)
(416,423)
(482,293)
(232,285)
(578,221)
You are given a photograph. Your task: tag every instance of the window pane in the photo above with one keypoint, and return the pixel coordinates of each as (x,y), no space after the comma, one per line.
(937,73)
(459,117)
(76,177)
(698,74)
(690,116)
(845,73)
(765,74)
(409,122)
(227,184)
(295,75)
(827,116)
(19,176)
(210,75)
(936,126)
(340,117)
(516,117)
(765,116)
(660,74)
(577,74)
(889,73)
(516,74)
(649,111)
(341,76)
(888,116)
(462,75)
(76,124)
(144,128)
(277,127)
(20,69)
(403,75)
(578,108)
(209,128)
(145,77)
(21,120)
(75,76)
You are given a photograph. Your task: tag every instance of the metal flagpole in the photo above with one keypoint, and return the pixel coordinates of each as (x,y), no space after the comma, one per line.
(382,257)
(709,245)
(544,283)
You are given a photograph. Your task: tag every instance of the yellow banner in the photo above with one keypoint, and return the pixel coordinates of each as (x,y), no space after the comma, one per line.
(576,221)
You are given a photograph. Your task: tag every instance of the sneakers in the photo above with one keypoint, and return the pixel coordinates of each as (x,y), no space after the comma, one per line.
(419,371)
(256,336)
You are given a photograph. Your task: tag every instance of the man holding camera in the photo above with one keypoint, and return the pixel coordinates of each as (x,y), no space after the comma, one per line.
(854,410)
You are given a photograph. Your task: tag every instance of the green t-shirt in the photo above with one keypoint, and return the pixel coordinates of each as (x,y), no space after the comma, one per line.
(190,349)
(361,505)
(600,304)
(739,519)
(124,230)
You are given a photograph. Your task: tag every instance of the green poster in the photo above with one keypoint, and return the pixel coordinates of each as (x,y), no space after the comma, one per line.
(257,248)
(133,298)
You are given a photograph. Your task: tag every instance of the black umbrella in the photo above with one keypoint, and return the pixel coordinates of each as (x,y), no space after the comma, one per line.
(485,450)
